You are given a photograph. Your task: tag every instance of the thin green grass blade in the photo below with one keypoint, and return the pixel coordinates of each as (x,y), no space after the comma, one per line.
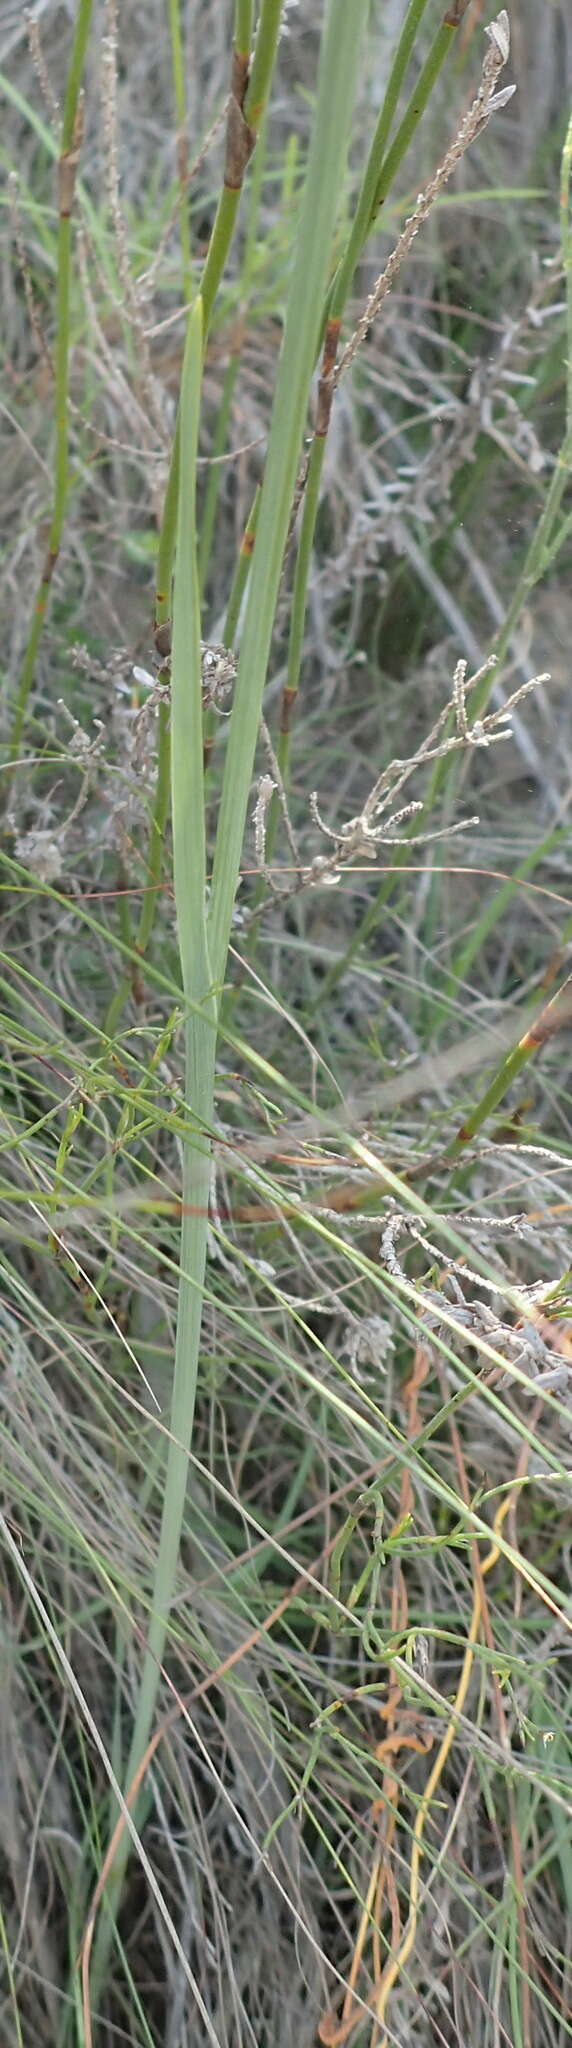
(187,796)
(326,168)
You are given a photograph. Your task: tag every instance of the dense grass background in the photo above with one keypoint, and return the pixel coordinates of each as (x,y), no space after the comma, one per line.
(355,1800)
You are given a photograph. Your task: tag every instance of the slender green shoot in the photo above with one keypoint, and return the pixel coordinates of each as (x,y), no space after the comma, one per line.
(248,95)
(313,254)
(379,176)
(182,139)
(189,858)
(553,1018)
(434,62)
(242,571)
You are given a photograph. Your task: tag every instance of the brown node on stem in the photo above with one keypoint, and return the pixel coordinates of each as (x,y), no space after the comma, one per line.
(162,636)
(137,984)
(49,563)
(288,699)
(183,158)
(454,15)
(67,166)
(556,1016)
(326,384)
(240,137)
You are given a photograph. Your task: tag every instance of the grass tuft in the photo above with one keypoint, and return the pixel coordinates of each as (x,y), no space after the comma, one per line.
(285,1271)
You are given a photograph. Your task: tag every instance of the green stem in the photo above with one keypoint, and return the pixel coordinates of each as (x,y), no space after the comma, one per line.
(298,355)
(189,858)
(367,201)
(209,510)
(419,99)
(236,160)
(263,60)
(166,547)
(178,68)
(248,265)
(158,828)
(242,571)
(249,93)
(541,545)
(299,594)
(160,814)
(219,245)
(295,645)
(238,587)
(241,135)
(493,914)
(337,79)
(551,1019)
(243,24)
(378,178)
(237,153)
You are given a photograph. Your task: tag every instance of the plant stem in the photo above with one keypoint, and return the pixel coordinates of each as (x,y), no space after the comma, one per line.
(248,96)
(425,84)
(189,861)
(298,354)
(241,136)
(295,645)
(182,140)
(368,203)
(378,178)
(189,856)
(243,564)
(238,148)
(551,1019)
(209,509)
(326,167)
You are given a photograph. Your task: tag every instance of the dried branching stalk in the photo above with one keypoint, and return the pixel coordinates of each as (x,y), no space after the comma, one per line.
(487,101)
(530,1345)
(379,824)
(278,785)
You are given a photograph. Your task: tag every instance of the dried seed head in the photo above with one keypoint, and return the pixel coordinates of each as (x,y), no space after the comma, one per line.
(498,33)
